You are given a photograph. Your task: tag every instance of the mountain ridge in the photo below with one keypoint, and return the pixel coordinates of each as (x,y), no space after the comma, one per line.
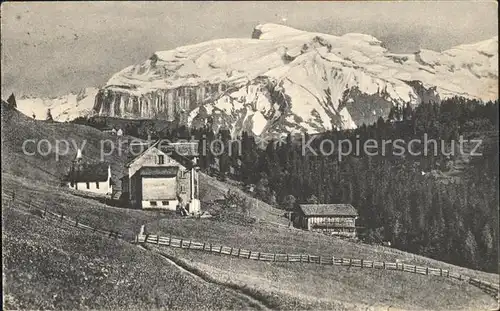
(288,80)
(284,80)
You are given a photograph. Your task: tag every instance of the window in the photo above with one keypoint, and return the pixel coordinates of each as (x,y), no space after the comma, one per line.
(182,189)
(164,202)
(161,159)
(152,203)
(97,185)
(184,174)
(88,185)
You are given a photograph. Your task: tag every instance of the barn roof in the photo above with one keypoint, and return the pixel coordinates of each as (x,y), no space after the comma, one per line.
(328,210)
(182,152)
(89,173)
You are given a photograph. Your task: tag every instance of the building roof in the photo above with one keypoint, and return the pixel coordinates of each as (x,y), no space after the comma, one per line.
(328,210)
(136,150)
(88,173)
(183,152)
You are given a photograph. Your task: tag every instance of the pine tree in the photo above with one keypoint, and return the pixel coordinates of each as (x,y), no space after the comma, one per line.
(12,101)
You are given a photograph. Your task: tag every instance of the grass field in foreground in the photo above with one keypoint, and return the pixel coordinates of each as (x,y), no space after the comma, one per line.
(264,238)
(314,287)
(52,267)
(285,286)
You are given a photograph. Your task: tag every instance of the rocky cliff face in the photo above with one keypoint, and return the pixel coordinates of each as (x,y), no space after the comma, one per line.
(286,80)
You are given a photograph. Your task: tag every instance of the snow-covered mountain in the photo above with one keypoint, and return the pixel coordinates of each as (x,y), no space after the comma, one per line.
(63,108)
(287,80)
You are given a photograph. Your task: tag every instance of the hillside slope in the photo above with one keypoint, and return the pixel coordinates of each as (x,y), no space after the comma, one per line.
(288,80)
(51,266)
(112,274)
(48,164)
(77,270)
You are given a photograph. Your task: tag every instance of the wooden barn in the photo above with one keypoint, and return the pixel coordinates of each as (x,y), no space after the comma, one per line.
(335,219)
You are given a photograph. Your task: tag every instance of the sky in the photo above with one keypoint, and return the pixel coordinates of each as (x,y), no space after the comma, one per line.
(51,48)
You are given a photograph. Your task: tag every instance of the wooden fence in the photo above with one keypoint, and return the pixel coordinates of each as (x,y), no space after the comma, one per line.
(61,218)
(490,288)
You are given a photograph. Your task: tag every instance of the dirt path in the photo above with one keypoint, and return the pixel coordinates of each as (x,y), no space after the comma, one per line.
(199,275)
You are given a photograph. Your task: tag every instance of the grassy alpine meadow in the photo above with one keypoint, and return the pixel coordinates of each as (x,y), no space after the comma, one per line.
(47,266)
(63,201)
(274,239)
(313,287)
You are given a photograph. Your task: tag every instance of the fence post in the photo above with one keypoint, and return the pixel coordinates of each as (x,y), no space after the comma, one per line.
(447,273)
(170,239)
(62,216)
(204,245)
(287,258)
(210,247)
(415,269)
(180,244)
(249,254)
(383,263)
(239,251)
(45,212)
(308,258)
(220,250)
(146,238)
(440,272)
(258,256)
(350,262)
(372,264)
(426,270)
(231,252)
(189,245)
(333,260)
(361,263)
(158,239)
(274,257)
(76,222)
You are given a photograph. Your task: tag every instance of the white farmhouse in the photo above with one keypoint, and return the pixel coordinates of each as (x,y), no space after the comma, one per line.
(89,177)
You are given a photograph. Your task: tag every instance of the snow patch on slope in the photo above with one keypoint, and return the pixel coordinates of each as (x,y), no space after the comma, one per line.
(64,108)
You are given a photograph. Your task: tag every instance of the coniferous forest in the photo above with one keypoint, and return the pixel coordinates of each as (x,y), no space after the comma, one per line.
(438,204)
